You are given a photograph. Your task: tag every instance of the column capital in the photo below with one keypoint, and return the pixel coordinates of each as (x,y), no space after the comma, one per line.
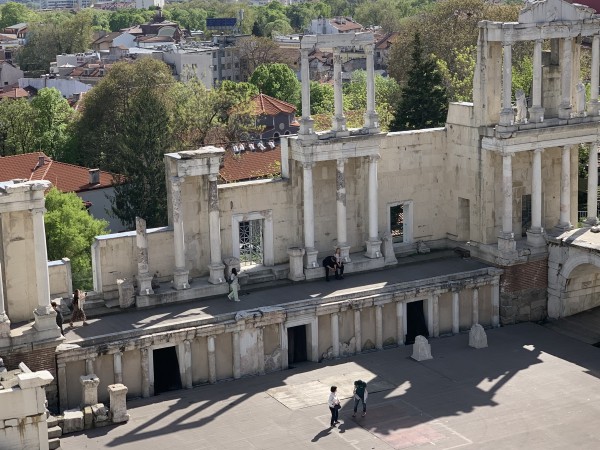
(341,161)
(212,177)
(308,165)
(305,52)
(539,150)
(510,154)
(374,158)
(369,49)
(567,147)
(41,210)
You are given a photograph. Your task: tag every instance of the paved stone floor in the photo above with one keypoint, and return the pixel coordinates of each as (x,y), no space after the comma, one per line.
(532,388)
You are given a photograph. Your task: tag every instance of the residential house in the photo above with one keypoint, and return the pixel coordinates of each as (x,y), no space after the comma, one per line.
(382,49)
(190,63)
(115,39)
(145,4)
(68,88)
(250,165)
(334,26)
(9,74)
(275,116)
(13,93)
(19,30)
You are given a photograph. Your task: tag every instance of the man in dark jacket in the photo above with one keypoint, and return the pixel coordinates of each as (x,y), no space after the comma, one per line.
(59,317)
(330,264)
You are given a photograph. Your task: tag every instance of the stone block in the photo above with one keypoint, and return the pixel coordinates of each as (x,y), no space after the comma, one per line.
(89,389)
(34,379)
(73,421)
(477,337)
(118,405)
(126,293)
(53,443)
(11,423)
(421,349)
(54,432)
(88,417)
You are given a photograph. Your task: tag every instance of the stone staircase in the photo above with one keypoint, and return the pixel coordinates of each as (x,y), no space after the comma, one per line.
(261,275)
(54,431)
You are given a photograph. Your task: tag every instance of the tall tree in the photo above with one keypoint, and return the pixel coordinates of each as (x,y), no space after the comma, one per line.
(277,80)
(53,115)
(424,102)
(13,13)
(16,127)
(254,51)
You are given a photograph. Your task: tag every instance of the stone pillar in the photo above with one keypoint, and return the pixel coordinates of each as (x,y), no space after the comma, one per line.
(371,117)
(145,363)
(475,307)
(89,366)
(216,267)
(45,317)
(374,243)
(261,350)
(429,306)
(335,334)
(565,107)
(236,355)
(212,360)
(593,105)
(306,122)
(4,320)
(506,240)
(342,237)
(379,327)
(357,330)
(296,255)
(592,190)
(180,274)
(314,340)
(436,315)
(187,364)
(61,374)
(309,216)
(339,121)
(455,313)
(400,323)
(143,272)
(118,367)
(535,233)
(118,402)
(89,389)
(496,303)
(536,112)
(506,114)
(565,190)
(284,346)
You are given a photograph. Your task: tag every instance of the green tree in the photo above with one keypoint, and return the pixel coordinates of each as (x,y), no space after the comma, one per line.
(254,51)
(70,232)
(321,98)
(16,127)
(277,80)
(424,102)
(14,13)
(53,116)
(459,84)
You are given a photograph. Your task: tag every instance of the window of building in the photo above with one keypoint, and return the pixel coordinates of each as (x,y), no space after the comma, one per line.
(400,222)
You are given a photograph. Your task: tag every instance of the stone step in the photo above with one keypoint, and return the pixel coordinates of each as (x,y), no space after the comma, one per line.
(54,443)
(54,432)
(254,279)
(52,421)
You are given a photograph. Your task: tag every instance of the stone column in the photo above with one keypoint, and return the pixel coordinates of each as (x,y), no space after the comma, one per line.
(535,233)
(455,313)
(118,402)
(565,190)
(261,350)
(118,367)
(45,317)
(212,360)
(61,374)
(143,273)
(506,240)
(436,315)
(374,243)
(564,110)
(506,114)
(342,237)
(296,255)
(371,117)
(89,389)
(187,364)
(217,274)
(536,112)
(306,122)
(236,355)
(4,320)
(180,274)
(357,330)
(592,193)
(339,121)
(284,346)
(145,363)
(496,303)
(335,334)
(89,366)
(314,340)
(379,327)
(475,307)
(400,323)
(593,105)
(309,216)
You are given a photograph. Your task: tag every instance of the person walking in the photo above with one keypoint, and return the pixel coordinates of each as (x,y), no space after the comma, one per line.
(339,264)
(334,406)
(59,317)
(78,314)
(330,265)
(360,394)
(233,285)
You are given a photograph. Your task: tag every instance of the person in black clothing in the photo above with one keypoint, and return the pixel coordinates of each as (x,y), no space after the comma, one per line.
(59,317)
(329,264)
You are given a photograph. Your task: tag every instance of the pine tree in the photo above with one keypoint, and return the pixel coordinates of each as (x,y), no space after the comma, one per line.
(424,102)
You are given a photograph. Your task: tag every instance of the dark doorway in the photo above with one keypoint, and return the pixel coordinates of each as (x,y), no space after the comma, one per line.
(415,321)
(297,344)
(166,370)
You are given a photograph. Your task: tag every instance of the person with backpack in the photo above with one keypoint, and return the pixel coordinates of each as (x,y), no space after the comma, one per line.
(360,394)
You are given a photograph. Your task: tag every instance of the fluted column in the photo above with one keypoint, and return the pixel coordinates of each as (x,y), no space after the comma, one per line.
(565,190)
(593,106)
(284,346)
(455,313)
(374,243)
(180,274)
(306,122)
(335,334)
(400,333)
(236,355)
(342,237)
(371,117)
(536,112)
(507,194)
(309,215)
(217,274)
(357,331)
(592,193)
(187,364)
(4,320)
(565,108)
(212,360)
(41,262)
(535,233)
(379,327)
(506,114)
(339,121)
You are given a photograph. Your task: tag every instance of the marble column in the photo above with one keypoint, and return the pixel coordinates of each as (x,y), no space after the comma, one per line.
(180,274)
(4,320)
(506,240)
(565,190)
(565,107)
(335,334)
(309,216)
(374,243)
(496,303)
(118,367)
(212,360)
(506,114)
(379,327)
(145,369)
(236,355)
(261,350)
(342,237)
(89,366)
(536,112)
(475,307)
(339,121)
(592,189)
(306,122)
(41,263)
(455,313)
(143,274)
(357,330)
(436,315)
(284,346)
(187,380)
(61,374)
(593,105)
(216,267)
(371,116)
(535,235)
(400,333)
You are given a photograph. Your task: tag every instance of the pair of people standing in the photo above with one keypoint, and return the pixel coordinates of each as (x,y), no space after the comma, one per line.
(360,394)
(334,264)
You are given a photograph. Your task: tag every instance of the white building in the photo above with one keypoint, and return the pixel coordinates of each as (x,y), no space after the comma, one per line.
(145,4)
(189,63)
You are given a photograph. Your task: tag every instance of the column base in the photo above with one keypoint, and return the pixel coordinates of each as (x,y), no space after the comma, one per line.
(307,129)
(507,244)
(371,121)
(536,114)
(145,283)
(46,323)
(373,249)
(296,272)
(310,260)
(591,222)
(338,124)
(564,112)
(507,117)
(180,279)
(345,252)
(593,107)
(217,273)
(4,325)
(562,227)
(535,238)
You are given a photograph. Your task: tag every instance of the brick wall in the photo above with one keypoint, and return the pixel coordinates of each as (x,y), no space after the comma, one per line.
(523,277)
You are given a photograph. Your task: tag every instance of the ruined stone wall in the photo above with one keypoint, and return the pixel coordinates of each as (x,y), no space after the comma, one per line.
(523,292)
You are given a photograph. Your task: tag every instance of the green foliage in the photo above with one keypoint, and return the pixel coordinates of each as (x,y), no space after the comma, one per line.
(125,18)
(53,115)
(13,13)
(254,51)
(321,98)
(277,80)
(522,75)
(70,232)
(424,102)
(16,127)
(459,84)
(388,13)
(271,18)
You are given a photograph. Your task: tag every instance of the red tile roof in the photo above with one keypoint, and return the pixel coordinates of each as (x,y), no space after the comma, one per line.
(250,165)
(65,177)
(345,24)
(270,106)
(13,93)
